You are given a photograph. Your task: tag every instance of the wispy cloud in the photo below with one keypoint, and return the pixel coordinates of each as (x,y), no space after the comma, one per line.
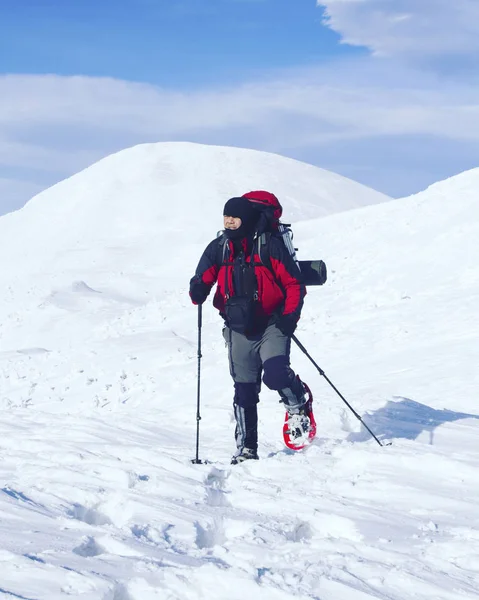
(58,125)
(407,27)
(345,102)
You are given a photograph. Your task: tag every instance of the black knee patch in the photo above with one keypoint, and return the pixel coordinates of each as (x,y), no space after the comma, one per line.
(277,374)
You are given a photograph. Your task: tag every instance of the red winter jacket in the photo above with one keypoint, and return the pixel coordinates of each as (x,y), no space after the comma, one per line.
(280,290)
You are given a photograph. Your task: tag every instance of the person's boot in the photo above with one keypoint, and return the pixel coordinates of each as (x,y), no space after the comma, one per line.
(299,423)
(244,454)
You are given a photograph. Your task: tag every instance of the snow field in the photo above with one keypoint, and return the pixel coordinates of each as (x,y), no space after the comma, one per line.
(99,499)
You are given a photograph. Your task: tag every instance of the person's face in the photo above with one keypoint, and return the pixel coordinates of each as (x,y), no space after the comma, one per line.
(231,222)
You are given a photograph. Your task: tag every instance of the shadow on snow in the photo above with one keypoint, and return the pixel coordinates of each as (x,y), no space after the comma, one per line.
(406,419)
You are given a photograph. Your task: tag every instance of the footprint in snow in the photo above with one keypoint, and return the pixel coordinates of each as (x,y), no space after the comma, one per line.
(301,531)
(210,535)
(215,484)
(91,516)
(89,547)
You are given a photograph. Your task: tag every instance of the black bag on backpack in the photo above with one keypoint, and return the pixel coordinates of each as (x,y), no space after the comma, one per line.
(314,272)
(239,313)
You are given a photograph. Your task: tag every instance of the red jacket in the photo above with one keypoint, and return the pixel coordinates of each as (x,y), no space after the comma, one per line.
(279,290)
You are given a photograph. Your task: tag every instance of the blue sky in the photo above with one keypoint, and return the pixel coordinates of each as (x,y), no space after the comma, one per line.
(382,91)
(183,43)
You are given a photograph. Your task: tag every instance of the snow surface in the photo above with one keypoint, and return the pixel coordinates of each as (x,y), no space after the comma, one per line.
(98,363)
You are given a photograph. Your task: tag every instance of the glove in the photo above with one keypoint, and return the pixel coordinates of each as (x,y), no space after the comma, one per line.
(198,290)
(287,324)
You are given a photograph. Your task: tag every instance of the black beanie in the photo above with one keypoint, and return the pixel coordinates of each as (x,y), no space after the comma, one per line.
(245,210)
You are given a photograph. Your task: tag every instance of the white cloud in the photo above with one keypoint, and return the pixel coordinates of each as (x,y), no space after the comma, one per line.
(407,27)
(346,101)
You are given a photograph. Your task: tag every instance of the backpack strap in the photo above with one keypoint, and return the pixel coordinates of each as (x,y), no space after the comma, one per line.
(262,249)
(221,260)
(222,250)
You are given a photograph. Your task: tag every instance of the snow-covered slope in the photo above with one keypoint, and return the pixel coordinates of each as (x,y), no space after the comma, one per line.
(119,233)
(166,189)
(98,390)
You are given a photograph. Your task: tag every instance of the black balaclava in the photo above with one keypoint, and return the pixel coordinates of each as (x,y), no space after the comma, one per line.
(245,210)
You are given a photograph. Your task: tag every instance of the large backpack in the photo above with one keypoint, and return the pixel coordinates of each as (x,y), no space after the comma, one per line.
(269,224)
(269,207)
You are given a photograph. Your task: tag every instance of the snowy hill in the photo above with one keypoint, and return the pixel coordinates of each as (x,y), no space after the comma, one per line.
(117,235)
(169,188)
(98,390)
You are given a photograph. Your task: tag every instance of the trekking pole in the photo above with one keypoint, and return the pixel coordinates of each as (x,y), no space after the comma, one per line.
(323,374)
(197,460)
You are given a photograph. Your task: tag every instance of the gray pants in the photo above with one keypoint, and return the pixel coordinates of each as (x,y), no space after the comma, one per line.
(250,358)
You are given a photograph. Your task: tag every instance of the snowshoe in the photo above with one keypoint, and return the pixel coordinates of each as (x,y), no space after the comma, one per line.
(299,430)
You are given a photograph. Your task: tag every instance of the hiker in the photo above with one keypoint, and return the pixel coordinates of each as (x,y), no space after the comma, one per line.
(260,296)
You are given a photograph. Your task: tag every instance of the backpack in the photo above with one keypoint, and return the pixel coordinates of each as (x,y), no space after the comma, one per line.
(269,224)
(269,207)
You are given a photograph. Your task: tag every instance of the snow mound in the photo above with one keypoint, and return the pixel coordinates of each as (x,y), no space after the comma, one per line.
(466,182)
(403,288)
(168,192)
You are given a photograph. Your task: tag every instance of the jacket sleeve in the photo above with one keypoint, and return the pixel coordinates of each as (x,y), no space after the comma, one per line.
(207,269)
(289,277)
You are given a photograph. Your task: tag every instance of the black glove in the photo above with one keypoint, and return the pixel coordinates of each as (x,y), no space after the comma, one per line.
(198,290)
(287,324)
